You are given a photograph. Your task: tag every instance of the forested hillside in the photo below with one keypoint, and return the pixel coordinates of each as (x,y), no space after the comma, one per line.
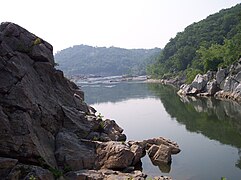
(85,60)
(211,43)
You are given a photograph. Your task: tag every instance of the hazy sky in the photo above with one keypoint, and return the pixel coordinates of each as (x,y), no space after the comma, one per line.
(120,23)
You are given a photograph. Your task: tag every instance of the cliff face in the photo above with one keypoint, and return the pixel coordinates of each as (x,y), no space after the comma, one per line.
(39,107)
(46,128)
(35,99)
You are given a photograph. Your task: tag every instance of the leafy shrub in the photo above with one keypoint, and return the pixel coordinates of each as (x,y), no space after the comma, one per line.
(56,172)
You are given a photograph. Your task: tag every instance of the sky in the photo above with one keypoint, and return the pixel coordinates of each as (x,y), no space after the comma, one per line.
(104,23)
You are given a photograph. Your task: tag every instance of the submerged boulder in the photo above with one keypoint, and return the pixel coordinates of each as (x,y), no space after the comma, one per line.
(160,150)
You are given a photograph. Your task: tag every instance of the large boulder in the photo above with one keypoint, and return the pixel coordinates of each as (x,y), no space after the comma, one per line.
(212,87)
(114,155)
(160,156)
(198,85)
(235,67)
(221,75)
(230,84)
(174,148)
(160,150)
(74,153)
(200,82)
(187,89)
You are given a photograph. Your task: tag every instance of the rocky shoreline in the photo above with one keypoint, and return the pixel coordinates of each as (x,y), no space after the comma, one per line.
(47,131)
(175,82)
(223,84)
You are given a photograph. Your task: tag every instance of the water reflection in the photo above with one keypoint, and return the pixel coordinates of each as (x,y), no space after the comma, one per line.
(164,168)
(238,164)
(216,119)
(207,130)
(115,92)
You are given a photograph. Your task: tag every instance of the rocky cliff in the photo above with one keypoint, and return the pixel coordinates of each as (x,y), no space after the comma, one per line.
(225,84)
(47,130)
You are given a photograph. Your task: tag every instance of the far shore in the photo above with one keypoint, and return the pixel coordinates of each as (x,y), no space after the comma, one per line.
(154,81)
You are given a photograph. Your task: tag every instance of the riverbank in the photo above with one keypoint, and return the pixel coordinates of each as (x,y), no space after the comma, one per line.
(90,79)
(223,84)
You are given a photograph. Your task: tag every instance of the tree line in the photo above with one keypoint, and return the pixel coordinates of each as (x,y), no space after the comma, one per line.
(103,61)
(206,45)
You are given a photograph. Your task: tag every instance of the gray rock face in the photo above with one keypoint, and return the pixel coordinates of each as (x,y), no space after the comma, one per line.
(221,75)
(73,153)
(22,171)
(45,125)
(187,89)
(6,165)
(226,84)
(14,38)
(113,130)
(27,109)
(200,82)
(212,87)
(238,77)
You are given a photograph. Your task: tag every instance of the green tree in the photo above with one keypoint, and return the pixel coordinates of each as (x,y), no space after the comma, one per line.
(212,56)
(205,45)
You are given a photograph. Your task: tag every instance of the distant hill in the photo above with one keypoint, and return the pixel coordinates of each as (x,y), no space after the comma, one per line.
(85,60)
(206,45)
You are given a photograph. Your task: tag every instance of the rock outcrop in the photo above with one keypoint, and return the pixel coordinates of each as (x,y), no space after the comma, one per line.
(225,84)
(46,128)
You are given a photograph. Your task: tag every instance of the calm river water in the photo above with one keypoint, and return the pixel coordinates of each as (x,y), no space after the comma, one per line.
(208,131)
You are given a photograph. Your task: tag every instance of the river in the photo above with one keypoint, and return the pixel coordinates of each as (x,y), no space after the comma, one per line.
(207,130)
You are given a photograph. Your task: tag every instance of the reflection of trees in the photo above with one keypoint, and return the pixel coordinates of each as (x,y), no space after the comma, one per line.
(216,119)
(219,120)
(238,164)
(115,93)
